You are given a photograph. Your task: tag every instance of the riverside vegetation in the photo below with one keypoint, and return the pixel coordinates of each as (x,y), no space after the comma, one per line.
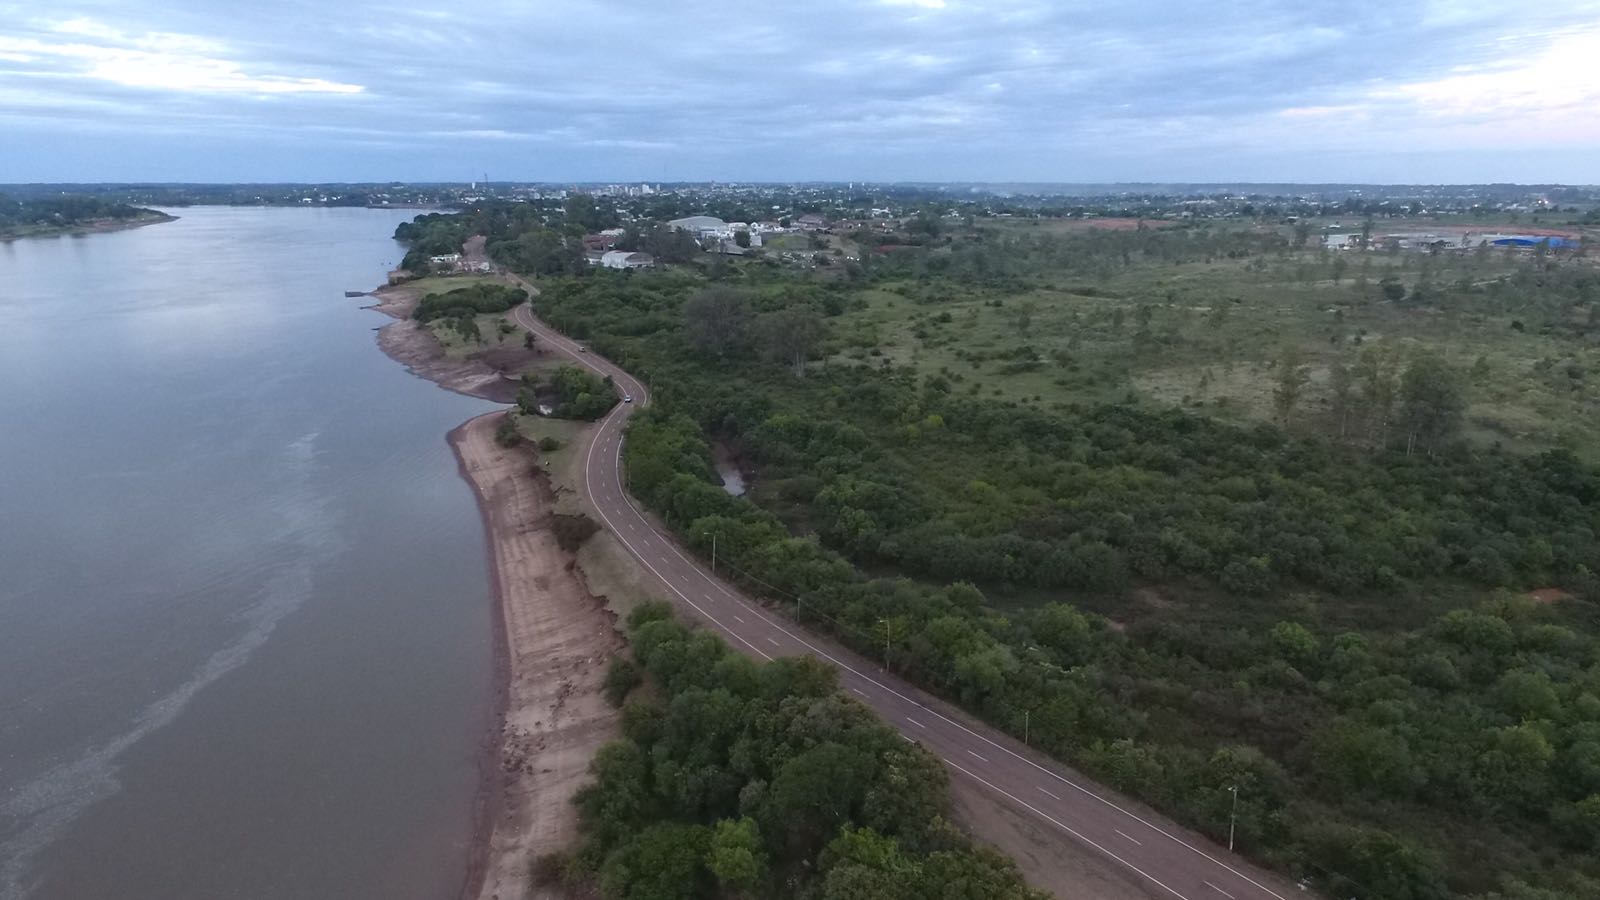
(59,215)
(741,779)
(1302,578)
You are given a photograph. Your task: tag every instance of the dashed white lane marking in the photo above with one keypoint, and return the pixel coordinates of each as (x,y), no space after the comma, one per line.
(915,722)
(772,642)
(907,738)
(738,618)
(1048,794)
(1064,827)
(1219,890)
(1128,836)
(857,690)
(981,759)
(588,483)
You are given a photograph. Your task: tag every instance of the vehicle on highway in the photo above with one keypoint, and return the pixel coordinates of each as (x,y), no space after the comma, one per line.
(627,399)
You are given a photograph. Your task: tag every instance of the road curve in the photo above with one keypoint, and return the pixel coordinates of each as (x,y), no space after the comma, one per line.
(1165,859)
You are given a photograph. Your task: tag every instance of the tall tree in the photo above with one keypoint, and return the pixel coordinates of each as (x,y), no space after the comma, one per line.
(790,335)
(1376,374)
(1433,403)
(1341,387)
(716,320)
(1292,377)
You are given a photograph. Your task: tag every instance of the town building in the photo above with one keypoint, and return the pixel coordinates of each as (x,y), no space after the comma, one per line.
(702,227)
(624,259)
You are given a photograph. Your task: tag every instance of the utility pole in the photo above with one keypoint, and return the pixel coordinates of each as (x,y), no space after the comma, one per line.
(1233,817)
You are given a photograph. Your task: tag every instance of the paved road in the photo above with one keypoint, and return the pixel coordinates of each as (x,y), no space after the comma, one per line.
(1165,859)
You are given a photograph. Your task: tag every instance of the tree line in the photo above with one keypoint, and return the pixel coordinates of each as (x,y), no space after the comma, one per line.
(466,302)
(875,467)
(62,212)
(743,779)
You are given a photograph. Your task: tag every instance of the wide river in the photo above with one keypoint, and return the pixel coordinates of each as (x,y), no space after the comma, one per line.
(245,633)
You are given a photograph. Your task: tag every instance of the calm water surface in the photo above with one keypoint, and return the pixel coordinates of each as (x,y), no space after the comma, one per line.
(244,609)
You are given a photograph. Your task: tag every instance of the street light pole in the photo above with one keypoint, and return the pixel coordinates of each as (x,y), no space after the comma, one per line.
(1233,817)
(1026,714)
(713,550)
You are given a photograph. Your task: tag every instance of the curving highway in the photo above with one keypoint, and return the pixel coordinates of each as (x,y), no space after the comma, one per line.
(1166,860)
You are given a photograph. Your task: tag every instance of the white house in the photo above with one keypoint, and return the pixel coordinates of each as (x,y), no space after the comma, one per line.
(624,259)
(702,226)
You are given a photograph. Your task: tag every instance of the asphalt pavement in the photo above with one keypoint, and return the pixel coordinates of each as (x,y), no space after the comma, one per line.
(1165,859)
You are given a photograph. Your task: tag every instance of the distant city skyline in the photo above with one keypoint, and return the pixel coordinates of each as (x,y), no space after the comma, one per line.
(1020,91)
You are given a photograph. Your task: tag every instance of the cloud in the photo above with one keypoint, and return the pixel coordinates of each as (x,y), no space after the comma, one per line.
(894,89)
(161,61)
(1563,75)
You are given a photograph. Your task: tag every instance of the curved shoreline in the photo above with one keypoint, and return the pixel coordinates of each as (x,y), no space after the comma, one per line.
(551,635)
(486,801)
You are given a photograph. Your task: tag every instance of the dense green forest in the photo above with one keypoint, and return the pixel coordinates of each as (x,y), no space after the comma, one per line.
(1179,604)
(1207,507)
(740,779)
(466,302)
(20,218)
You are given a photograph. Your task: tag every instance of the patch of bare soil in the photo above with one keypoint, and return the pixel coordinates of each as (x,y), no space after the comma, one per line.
(556,641)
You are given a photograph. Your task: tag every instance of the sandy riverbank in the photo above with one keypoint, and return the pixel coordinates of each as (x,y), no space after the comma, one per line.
(409,343)
(553,641)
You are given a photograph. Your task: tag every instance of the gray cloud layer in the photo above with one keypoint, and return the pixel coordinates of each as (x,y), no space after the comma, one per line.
(894,89)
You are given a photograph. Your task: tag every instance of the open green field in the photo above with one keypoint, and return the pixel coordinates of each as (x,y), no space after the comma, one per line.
(492,335)
(1209,335)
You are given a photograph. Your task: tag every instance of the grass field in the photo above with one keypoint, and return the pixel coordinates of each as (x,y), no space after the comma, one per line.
(1208,336)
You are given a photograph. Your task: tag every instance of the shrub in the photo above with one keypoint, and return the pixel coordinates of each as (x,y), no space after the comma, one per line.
(572,531)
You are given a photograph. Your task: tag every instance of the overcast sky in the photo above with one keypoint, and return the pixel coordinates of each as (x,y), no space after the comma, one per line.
(666,90)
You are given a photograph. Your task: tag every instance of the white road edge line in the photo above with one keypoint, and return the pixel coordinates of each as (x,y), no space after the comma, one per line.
(643,396)
(1067,828)
(870,680)
(588,484)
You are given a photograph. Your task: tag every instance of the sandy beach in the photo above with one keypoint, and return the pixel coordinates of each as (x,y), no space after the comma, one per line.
(553,641)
